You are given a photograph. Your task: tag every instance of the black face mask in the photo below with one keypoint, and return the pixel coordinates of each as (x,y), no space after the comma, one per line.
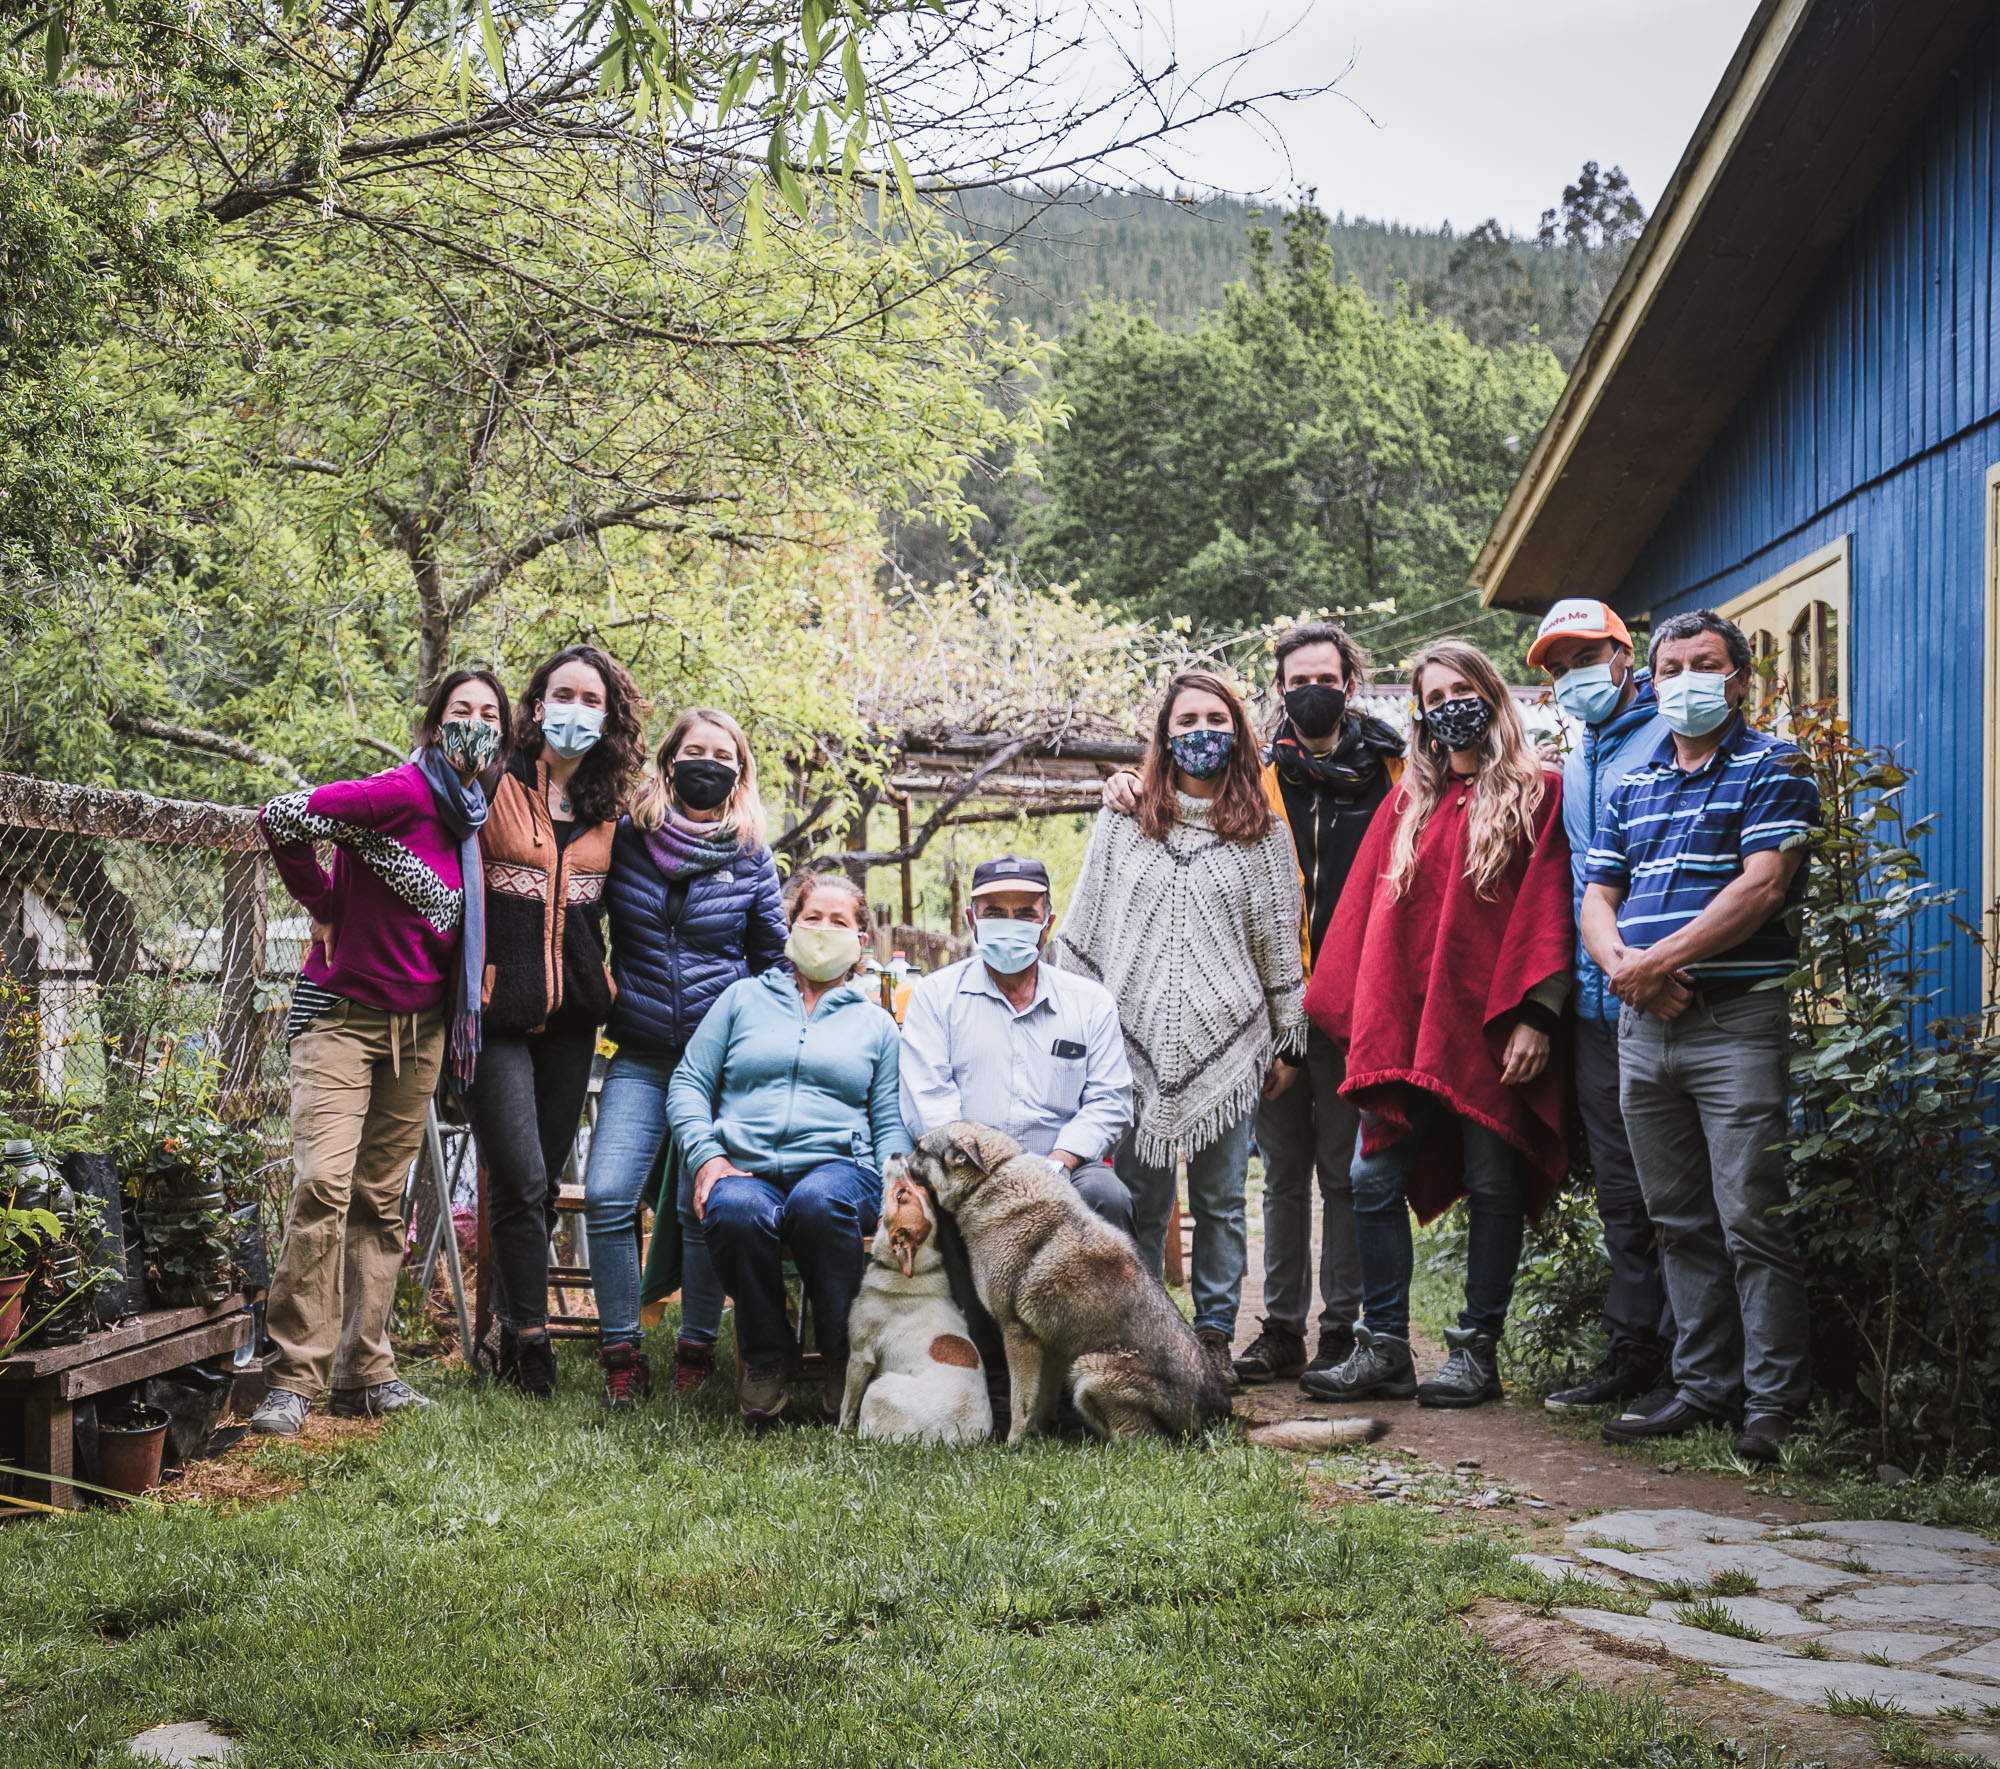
(1315,710)
(1460,723)
(701,785)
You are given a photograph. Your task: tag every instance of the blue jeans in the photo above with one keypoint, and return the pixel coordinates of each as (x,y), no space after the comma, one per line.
(825,1217)
(1382,1221)
(1215,1193)
(625,1154)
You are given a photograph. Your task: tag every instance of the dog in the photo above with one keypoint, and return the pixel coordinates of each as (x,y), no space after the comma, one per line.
(913,1373)
(1073,1302)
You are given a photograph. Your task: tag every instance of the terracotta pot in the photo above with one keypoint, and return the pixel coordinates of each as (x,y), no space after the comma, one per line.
(128,1456)
(11,1287)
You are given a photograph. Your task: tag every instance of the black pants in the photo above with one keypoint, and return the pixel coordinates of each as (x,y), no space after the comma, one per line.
(1637,1312)
(525,1102)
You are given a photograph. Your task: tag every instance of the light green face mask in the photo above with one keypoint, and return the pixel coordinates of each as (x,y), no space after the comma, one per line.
(823,953)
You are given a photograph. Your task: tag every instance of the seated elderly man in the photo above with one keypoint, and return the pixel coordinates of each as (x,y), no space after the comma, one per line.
(1003,1039)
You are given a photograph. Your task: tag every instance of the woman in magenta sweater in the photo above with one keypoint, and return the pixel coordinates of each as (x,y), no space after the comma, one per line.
(392,977)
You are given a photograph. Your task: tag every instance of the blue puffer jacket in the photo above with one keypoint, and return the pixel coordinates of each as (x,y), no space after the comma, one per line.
(1592,773)
(731,926)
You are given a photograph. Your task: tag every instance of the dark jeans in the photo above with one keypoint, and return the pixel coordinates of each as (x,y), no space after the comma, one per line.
(1382,1221)
(525,1102)
(825,1217)
(1638,1313)
(1307,1132)
(1099,1186)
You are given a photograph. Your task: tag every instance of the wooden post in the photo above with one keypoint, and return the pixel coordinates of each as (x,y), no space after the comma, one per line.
(903,842)
(241,1023)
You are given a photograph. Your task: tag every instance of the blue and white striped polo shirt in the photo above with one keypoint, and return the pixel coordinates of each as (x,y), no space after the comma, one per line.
(1673,840)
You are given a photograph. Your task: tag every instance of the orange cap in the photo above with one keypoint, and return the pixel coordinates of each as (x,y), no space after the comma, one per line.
(1578,617)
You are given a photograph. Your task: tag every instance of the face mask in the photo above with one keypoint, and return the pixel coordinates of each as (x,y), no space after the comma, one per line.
(1589,693)
(570,729)
(1315,710)
(1201,755)
(1461,723)
(1008,947)
(468,744)
(701,785)
(823,953)
(1694,702)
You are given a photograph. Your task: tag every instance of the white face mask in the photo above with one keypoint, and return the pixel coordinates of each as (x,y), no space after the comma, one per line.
(570,729)
(823,953)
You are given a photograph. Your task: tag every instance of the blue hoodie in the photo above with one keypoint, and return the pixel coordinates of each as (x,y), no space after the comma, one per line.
(779,1093)
(1592,773)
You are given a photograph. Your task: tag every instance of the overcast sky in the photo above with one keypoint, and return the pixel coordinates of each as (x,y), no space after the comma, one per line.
(1460,109)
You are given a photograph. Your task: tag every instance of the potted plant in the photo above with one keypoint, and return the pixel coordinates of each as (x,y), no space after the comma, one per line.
(183,1209)
(27,1226)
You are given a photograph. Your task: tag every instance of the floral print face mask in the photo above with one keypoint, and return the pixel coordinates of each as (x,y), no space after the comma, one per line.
(468,744)
(1201,755)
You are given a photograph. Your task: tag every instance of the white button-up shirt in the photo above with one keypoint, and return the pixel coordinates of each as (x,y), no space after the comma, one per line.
(1053,1076)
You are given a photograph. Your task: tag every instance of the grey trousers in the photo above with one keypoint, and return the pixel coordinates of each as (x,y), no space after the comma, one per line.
(1705,1099)
(1310,1129)
(1638,1315)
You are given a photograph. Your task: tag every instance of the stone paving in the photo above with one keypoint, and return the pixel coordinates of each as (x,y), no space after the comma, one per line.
(1895,1614)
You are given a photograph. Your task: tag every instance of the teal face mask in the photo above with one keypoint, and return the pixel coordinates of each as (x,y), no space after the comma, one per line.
(1694,702)
(1589,693)
(572,730)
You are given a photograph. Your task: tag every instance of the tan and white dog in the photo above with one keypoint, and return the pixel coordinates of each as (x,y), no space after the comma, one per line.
(913,1373)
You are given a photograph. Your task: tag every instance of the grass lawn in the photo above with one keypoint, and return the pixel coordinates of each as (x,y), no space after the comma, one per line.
(505,1582)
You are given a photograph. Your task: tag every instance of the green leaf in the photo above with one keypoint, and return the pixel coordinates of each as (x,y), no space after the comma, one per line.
(904,183)
(753,216)
(55,45)
(850,69)
(489,31)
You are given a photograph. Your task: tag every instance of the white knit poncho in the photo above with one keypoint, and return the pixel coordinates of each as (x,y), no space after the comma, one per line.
(1198,941)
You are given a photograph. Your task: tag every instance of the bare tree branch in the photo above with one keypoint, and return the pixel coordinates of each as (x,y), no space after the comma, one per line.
(206,742)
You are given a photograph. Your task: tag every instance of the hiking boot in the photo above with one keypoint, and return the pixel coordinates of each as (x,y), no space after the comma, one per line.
(377,1399)
(1276,1355)
(279,1414)
(1336,1345)
(533,1369)
(1471,1375)
(694,1363)
(1763,1437)
(1215,1347)
(1621,1377)
(1676,1419)
(1378,1368)
(760,1393)
(628,1379)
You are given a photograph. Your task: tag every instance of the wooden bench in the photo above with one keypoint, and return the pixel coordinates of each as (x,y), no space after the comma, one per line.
(45,1385)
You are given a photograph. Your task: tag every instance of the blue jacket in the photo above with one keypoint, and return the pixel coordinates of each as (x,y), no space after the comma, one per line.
(669,974)
(1606,755)
(779,1093)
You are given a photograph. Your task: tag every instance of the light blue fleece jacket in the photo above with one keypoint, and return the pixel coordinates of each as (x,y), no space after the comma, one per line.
(779,1093)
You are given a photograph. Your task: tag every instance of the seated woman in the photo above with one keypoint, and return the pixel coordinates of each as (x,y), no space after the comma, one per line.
(785,1105)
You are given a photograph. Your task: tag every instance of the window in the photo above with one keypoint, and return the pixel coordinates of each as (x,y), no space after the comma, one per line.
(1798,620)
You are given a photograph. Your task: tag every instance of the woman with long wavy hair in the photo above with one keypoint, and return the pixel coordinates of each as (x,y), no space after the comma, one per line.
(579,735)
(693,897)
(1443,978)
(1188,912)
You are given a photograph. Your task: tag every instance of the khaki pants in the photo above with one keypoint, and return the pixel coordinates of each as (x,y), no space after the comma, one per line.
(361,1086)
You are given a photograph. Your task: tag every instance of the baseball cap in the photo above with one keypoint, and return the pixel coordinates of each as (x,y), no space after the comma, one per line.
(1577,617)
(1011,872)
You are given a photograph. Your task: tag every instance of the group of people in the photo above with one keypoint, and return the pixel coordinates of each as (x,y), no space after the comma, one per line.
(1387,967)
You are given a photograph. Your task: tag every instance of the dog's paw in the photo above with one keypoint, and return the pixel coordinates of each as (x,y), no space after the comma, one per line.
(1317,1434)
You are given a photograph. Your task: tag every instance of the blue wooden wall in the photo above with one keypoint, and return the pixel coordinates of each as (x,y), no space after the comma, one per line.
(1878,416)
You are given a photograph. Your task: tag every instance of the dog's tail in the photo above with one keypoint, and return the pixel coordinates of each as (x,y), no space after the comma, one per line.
(1317,1434)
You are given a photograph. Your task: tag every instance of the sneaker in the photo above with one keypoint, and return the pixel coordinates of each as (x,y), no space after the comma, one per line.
(760,1393)
(694,1363)
(1762,1437)
(1336,1345)
(1471,1374)
(627,1377)
(377,1399)
(1615,1381)
(1378,1368)
(280,1414)
(1215,1347)
(1676,1419)
(1276,1355)
(1654,1400)
(533,1370)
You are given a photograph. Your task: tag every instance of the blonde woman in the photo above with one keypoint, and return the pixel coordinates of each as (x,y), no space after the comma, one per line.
(692,899)
(1442,979)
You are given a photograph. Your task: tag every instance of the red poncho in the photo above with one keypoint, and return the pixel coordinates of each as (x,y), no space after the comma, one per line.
(1423,990)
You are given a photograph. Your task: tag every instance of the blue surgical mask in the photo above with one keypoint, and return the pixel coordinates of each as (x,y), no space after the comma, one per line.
(1694,702)
(1589,693)
(1008,947)
(570,728)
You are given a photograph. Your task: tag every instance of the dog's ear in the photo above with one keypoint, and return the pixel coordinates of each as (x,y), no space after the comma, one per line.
(966,1154)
